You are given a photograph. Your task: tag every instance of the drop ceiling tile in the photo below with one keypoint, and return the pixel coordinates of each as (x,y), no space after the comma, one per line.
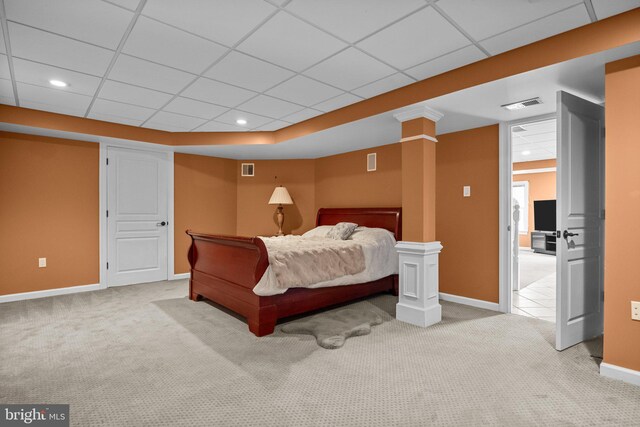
(420,37)
(128,69)
(157,42)
(55,100)
(92,21)
(115,119)
(337,102)
(103,106)
(40,74)
(251,73)
(270,107)
(6,90)
(447,62)
(4,67)
(6,100)
(219,127)
(541,29)
(128,4)
(185,123)
(253,120)
(217,93)
(303,115)
(274,125)
(354,19)
(165,127)
(383,85)
(289,42)
(222,21)
(607,8)
(193,108)
(122,92)
(350,69)
(40,46)
(3,47)
(304,91)
(482,19)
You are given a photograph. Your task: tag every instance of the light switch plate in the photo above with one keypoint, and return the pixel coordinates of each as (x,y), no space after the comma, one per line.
(466,191)
(635,310)
(42,262)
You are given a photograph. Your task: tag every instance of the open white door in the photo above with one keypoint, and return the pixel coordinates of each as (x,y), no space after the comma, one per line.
(137,207)
(580,209)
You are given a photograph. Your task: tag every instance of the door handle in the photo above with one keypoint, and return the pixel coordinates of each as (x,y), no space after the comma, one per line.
(161,224)
(567,234)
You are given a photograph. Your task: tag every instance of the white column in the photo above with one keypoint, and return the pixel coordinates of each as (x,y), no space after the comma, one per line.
(418,296)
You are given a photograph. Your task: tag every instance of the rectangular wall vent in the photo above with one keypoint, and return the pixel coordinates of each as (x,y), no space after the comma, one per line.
(371,162)
(248,169)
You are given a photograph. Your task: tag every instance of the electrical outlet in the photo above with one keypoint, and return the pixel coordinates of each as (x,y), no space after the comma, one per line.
(635,310)
(42,262)
(466,191)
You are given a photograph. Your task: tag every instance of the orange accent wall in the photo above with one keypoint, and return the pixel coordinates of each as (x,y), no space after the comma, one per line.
(48,208)
(622,229)
(205,200)
(256,216)
(468,226)
(542,186)
(343,181)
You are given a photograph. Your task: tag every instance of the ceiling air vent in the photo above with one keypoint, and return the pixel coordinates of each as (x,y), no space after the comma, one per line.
(522,104)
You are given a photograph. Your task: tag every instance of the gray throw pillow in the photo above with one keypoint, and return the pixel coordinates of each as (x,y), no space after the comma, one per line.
(342,230)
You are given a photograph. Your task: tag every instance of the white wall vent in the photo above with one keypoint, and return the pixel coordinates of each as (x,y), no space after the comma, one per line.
(371,162)
(248,169)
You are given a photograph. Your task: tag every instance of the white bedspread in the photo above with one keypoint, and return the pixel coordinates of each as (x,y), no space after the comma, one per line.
(380,257)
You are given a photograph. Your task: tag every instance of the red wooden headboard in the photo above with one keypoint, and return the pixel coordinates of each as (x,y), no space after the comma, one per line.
(387,218)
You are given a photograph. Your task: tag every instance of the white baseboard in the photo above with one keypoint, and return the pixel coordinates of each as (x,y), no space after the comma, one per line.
(49,293)
(619,373)
(181,276)
(470,301)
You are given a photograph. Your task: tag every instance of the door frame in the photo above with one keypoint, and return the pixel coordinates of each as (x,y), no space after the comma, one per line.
(105,143)
(505,176)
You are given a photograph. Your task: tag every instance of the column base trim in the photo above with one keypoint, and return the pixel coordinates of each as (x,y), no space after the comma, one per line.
(422,317)
(619,373)
(493,306)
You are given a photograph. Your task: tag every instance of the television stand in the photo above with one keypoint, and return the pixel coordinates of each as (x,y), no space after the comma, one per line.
(543,242)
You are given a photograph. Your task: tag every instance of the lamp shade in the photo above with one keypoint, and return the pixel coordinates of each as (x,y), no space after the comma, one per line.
(280,196)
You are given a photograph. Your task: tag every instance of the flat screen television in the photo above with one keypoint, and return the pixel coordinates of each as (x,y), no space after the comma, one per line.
(544,215)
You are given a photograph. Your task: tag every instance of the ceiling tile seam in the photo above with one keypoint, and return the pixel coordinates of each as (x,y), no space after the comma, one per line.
(115,56)
(22,24)
(591,10)
(118,5)
(7,46)
(242,39)
(531,22)
(353,45)
(460,29)
(440,57)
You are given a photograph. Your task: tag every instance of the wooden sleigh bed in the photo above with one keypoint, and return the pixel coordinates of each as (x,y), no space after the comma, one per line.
(225,269)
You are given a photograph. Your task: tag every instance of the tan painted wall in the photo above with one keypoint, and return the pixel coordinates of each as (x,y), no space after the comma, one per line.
(542,186)
(256,216)
(343,181)
(48,208)
(622,229)
(205,200)
(468,227)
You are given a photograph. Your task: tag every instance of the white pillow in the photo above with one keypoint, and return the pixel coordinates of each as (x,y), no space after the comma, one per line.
(342,230)
(320,231)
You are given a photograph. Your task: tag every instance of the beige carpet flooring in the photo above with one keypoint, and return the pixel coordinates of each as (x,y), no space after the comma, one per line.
(144,355)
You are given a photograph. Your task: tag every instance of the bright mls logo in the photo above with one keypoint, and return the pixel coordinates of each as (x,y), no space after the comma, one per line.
(34,415)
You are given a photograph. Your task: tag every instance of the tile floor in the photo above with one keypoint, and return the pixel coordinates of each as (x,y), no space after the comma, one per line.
(537,300)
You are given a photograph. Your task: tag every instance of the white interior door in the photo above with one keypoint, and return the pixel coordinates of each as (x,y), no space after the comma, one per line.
(580,209)
(137,209)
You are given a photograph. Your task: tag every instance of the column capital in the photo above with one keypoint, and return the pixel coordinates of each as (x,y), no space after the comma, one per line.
(419,112)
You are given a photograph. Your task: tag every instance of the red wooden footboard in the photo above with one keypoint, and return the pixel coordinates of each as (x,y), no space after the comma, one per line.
(225,269)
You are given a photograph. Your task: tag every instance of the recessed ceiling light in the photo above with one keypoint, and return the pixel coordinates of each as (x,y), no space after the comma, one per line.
(522,104)
(58,83)
(526,152)
(241,121)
